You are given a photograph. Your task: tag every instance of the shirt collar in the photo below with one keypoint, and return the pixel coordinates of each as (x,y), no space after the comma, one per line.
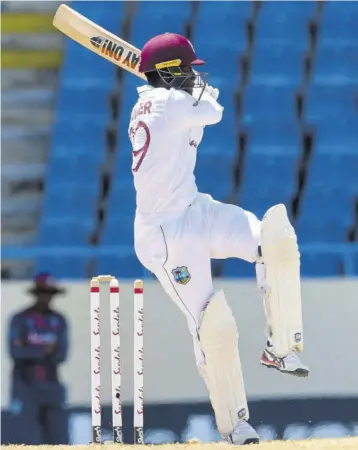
(145,88)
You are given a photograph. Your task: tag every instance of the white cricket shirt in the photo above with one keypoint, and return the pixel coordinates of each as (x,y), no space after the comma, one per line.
(165,130)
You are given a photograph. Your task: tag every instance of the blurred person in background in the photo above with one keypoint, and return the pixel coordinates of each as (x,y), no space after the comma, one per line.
(38,343)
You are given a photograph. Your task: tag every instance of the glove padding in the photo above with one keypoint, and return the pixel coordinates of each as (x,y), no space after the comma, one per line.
(213,92)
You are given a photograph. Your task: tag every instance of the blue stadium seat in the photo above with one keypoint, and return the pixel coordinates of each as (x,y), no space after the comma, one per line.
(118,229)
(68,267)
(325,188)
(332,168)
(286,21)
(288,10)
(79,131)
(336,9)
(77,168)
(123,168)
(274,137)
(232,12)
(268,179)
(330,103)
(227,20)
(122,199)
(237,42)
(220,139)
(325,223)
(92,9)
(275,169)
(220,58)
(279,65)
(237,268)
(320,229)
(226,99)
(227,87)
(165,10)
(168,17)
(321,264)
(320,192)
(355,264)
(258,201)
(84,153)
(124,265)
(71,199)
(336,66)
(218,167)
(91,71)
(339,23)
(64,230)
(129,97)
(337,137)
(262,102)
(94,102)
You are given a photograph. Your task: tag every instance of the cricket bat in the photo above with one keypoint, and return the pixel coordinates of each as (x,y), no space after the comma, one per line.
(98,40)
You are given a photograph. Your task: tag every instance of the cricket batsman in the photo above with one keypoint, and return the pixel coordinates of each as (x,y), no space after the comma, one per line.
(179,230)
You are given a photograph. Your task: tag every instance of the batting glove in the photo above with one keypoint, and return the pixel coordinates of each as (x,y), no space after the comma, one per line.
(213,92)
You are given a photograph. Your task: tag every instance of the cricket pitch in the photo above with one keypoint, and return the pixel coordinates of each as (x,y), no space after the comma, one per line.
(310,444)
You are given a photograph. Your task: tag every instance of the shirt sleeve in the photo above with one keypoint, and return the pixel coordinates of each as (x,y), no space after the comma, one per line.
(183,112)
(17,349)
(61,352)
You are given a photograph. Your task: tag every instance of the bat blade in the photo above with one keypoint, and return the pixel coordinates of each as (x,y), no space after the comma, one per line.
(98,40)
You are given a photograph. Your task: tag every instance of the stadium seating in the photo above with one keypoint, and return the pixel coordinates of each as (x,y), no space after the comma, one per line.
(316,264)
(268,118)
(339,24)
(262,101)
(228,20)
(68,230)
(169,16)
(274,137)
(236,268)
(122,266)
(68,267)
(339,136)
(325,102)
(287,23)
(343,63)
(278,65)
(325,188)
(78,148)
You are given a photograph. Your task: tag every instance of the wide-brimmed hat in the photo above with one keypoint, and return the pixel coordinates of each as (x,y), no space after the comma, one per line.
(44,283)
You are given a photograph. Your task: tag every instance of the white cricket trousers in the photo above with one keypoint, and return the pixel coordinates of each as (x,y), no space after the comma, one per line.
(179,252)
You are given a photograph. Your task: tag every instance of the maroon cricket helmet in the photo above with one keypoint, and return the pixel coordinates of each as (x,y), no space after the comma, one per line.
(168,47)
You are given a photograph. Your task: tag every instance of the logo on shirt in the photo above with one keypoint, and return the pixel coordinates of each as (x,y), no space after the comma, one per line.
(192,143)
(36,338)
(181,275)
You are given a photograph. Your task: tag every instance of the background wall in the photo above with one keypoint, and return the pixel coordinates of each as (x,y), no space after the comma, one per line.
(330,310)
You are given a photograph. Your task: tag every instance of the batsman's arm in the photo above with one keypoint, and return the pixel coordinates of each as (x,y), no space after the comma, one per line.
(61,351)
(182,113)
(17,348)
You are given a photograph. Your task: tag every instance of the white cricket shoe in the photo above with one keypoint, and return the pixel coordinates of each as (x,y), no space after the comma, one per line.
(243,434)
(290,364)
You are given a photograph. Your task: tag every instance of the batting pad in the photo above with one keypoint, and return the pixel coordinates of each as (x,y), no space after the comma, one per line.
(222,370)
(281,257)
